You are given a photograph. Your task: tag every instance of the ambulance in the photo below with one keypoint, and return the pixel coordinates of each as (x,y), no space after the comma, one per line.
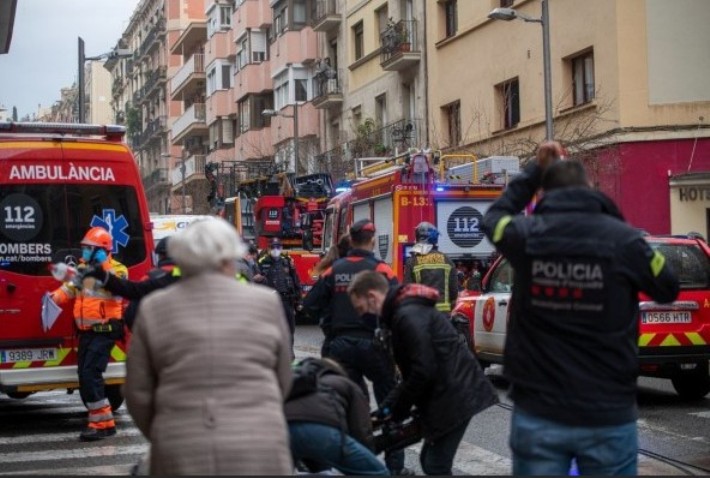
(165,225)
(56,182)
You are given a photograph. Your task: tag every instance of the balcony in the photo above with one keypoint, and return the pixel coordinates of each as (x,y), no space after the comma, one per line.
(327,16)
(192,121)
(155,78)
(154,34)
(399,46)
(336,162)
(156,179)
(389,140)
(194,169)
(153,129)
(327,91)
(117,87)
(189,78)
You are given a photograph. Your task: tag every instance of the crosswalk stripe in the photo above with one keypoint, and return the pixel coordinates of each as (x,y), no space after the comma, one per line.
(76,471)
(76,453)
(59,437)
(474,460)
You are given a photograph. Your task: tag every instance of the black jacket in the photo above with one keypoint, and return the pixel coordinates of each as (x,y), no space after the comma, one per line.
(133,290)
(330,292)
(346,409)
(440,374)
(436,270)
(280,274)
(571,345)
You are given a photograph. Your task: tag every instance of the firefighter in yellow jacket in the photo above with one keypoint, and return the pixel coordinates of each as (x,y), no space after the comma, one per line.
(98,317)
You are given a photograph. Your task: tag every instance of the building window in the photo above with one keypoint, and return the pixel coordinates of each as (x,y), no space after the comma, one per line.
(299,14)
(450,17)
(250,111)
(291,85)
(452,115)
(219,18)
(382,19)
(219,77)
(226,77)
(302,90)
(583,78)
(509,103)
(225,16)
(506,3)
(358,41)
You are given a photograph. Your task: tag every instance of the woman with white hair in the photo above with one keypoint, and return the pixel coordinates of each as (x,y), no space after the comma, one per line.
(209,364)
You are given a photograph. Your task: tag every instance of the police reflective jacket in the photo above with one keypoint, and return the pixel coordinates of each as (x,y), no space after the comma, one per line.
(93,305)
(281,275)
(571,346)
(435,270)
(330,293)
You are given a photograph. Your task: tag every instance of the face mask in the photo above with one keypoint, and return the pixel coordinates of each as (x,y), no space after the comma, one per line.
(275,253)
(86,253)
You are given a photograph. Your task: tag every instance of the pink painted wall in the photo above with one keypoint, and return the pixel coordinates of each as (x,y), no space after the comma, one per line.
(253,78)
(294,47)
(640,187)
(252,14)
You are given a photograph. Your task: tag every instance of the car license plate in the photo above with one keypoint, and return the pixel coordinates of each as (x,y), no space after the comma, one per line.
(27,355)
(667,317)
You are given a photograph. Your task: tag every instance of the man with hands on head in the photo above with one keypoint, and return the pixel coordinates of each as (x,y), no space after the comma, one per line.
(571,345)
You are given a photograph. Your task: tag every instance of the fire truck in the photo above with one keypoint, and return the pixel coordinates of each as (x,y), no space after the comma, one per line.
(399,193)
(289,207)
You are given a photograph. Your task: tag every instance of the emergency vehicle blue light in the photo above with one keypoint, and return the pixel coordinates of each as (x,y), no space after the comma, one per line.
(439,189)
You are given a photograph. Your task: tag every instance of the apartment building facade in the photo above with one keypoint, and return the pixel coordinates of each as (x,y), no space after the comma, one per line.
(370,80)
(627,87)
(141,98)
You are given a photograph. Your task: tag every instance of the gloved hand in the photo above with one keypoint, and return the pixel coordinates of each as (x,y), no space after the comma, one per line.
(97,272)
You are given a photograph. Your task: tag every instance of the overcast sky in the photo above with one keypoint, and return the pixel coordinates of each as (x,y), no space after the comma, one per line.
(43,51)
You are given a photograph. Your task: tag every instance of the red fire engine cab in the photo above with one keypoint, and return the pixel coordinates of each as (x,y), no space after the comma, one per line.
(288,207)
(399,193)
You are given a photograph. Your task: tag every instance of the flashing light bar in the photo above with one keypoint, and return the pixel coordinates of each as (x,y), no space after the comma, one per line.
(111,132)
(440,189)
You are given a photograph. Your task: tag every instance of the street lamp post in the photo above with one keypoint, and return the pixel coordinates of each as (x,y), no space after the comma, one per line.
(117,53)
(273,113)
(509,14)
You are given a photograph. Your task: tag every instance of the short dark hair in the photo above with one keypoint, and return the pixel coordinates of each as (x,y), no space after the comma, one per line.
(362,232)
(365,281)
(564,174)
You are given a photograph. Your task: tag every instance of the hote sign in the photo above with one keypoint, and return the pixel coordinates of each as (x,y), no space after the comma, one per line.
(694,193)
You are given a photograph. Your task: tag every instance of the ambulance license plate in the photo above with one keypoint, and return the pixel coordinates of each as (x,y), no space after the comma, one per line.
(667,317)
(27,355)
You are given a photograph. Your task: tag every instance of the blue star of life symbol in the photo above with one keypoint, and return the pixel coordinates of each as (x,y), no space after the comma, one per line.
(116,226)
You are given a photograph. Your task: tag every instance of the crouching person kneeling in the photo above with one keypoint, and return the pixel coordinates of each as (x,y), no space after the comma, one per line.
(440,376)
(329,420)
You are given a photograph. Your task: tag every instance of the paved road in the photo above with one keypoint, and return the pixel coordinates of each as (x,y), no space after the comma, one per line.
(38,435)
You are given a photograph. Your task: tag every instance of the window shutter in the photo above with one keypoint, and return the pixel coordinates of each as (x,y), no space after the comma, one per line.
(227,132)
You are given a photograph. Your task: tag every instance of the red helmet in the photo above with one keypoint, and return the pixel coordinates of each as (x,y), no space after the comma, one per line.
(98,237)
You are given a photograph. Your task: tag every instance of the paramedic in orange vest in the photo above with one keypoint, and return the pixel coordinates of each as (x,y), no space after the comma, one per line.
(97,314)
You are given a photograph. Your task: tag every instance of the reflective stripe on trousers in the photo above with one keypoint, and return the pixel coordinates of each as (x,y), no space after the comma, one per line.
(100,415)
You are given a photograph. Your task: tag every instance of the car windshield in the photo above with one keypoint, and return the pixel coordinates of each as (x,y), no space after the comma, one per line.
(45,223)
(689,262)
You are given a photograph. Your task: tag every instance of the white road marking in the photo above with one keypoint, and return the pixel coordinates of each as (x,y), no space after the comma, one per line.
(474,460)
(60,437)
(76,453)
(701,414)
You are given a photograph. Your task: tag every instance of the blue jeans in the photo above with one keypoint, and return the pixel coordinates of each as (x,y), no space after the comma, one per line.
(360,358)
(324,446)
(544,447)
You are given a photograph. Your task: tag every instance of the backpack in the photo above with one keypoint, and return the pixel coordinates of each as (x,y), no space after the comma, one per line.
(306,375)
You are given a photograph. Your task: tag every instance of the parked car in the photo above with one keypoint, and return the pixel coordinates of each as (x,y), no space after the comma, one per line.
(674,339)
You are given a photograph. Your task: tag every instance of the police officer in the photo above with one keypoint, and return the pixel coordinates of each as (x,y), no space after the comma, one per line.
(430,267)
(97,315)
(352,338)
(278,272)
